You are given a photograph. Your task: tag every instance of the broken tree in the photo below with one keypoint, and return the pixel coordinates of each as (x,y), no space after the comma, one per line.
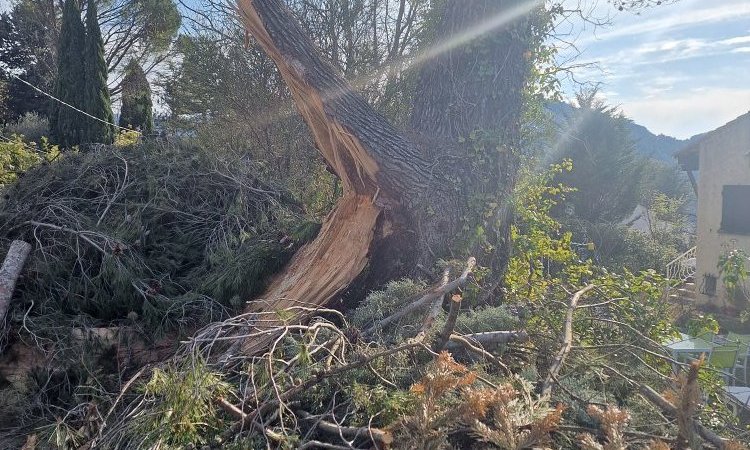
(437,194)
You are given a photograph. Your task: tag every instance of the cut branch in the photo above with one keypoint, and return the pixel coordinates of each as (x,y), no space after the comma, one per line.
(662,403)
(492,338)
(378,436)
(9,273)
(450,324)
(427,297)
(567,343)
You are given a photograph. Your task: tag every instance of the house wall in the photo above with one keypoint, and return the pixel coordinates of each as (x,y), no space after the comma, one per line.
(724,160)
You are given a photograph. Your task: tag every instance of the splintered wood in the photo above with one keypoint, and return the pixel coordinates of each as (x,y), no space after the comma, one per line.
(327,265)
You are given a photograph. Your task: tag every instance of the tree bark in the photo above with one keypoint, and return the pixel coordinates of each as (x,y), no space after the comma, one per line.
(390,184)
(468,112)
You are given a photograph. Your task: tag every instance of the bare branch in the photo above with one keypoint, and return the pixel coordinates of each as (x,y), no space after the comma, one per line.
(567,343)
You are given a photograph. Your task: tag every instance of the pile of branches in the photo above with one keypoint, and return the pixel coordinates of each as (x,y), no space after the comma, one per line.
(412,375)
(158,231)
(131,245)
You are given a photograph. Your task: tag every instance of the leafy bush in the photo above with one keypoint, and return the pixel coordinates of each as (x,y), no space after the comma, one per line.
(31,126)
(127,138)
(733,267)
(380,304)
(17,156)
(490,318)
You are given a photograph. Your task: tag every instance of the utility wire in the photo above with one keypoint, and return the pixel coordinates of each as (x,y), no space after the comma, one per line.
(67,104)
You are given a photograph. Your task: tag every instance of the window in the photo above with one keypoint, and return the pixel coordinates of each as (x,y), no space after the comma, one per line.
(708,287)
(735,210)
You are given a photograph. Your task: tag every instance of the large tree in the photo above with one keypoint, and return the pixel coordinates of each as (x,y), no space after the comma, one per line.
(606,171)
(14,55)
(96,95)
(406,201)
(36,27)
(143,30)
(66,125)
(136,99)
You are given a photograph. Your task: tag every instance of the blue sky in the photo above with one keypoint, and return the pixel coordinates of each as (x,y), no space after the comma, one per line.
(678,69)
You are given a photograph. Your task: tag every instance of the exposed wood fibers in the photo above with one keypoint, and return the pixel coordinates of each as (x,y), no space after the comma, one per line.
(327,265)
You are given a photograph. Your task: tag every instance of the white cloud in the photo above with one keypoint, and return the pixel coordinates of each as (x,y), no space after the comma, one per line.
(689,113)
(736,40)
(674,50)
(683,18)
(741,50)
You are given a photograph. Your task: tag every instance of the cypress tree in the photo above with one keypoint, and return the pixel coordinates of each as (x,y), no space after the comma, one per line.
(136,99)
(67,126)
(96,96)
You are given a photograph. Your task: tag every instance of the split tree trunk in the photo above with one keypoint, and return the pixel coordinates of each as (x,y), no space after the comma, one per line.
(391,185)
(382,173)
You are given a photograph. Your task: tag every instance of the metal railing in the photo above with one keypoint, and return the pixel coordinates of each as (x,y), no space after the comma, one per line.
(682,268)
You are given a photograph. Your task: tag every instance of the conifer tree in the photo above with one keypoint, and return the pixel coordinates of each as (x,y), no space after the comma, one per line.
(136,99)
(67,125)
(96,96)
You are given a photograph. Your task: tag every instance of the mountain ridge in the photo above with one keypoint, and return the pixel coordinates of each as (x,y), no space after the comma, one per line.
(657,146)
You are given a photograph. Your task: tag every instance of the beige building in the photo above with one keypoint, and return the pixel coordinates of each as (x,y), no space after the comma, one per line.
(722,158)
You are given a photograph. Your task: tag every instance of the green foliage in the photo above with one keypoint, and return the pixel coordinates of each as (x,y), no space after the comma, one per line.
(377,400)
(733,268)
(18,156)
(542,251)
(542,81)
(136,99)
(14,56)
(183,411)
(5,112)
(67,126)
(488,318)
(380,304)
(36,24)
(96,92)
(127,138)
(606,168)
(145,232)
(660,177)
(158,22)
(702,324)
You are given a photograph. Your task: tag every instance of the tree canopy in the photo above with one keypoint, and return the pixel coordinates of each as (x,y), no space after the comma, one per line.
(68,126)
(96,93)
(136,110)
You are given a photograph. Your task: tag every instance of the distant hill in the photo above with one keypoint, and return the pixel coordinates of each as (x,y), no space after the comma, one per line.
(659,147)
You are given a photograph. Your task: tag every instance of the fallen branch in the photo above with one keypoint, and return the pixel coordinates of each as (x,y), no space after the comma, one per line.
(668,408)
(9,273)
(567,343)
(450,324)
(249,419)
(81,234)
(457,340)
(378,436)
(493,338)
(427,298)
